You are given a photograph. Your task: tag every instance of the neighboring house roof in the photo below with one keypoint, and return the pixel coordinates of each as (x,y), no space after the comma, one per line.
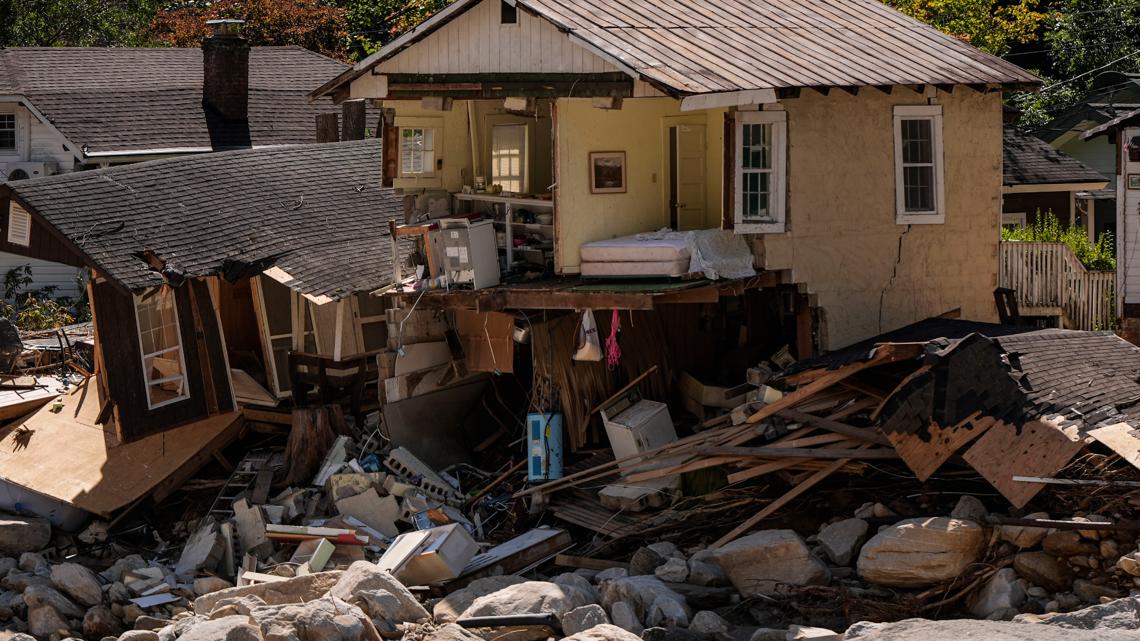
(1028,160)
(317,212)
(1123,120)
(149,100)
(688,47)
(1113,93)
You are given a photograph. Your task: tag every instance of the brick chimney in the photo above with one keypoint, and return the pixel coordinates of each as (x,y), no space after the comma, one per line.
(225,70)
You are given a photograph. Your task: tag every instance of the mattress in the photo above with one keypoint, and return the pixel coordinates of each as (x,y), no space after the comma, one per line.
(678,267)
(631,249)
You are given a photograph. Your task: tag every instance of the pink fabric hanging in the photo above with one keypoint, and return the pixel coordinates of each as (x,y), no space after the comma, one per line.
(613,351)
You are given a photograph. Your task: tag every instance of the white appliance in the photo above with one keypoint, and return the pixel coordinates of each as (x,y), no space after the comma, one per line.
(470,255)
(636,425)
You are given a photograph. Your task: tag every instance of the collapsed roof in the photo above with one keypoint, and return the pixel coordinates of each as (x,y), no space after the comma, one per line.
(316,212)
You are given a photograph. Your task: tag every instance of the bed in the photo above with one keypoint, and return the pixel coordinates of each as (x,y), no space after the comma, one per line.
(641,255)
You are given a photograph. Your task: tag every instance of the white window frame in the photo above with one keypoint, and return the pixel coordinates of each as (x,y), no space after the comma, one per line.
(778,201)
(524,156)
(14,150)
(429,171)
(147,383)
(936,216)
(16,212)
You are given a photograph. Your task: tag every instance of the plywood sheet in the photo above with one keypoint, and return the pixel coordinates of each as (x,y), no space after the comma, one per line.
(66,455)
(249,391)
(926,452)
(1038,448)
(1121,438)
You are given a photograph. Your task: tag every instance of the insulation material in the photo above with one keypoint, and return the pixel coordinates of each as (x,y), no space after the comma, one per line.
(487,338)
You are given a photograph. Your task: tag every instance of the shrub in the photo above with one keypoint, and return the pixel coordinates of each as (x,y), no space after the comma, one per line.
(1047,228)
(37,309)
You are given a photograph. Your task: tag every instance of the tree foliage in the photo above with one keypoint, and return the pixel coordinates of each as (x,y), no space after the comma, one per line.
(1089,36)
(990,25)
(74,23)
(311,24)
(374,23)
(1097,256)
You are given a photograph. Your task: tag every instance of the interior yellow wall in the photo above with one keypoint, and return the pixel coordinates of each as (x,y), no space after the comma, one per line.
(868,274)
(640,129)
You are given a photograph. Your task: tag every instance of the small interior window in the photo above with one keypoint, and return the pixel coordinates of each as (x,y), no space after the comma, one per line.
(160,339)
(509,13)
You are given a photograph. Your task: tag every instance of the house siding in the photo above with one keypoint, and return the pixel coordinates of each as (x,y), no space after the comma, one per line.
(1099,154)
(867,274)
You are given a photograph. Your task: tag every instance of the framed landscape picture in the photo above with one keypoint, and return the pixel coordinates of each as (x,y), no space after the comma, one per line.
(1134,181)
(607,172)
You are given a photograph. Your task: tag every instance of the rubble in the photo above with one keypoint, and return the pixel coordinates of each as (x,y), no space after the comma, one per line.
(921,552)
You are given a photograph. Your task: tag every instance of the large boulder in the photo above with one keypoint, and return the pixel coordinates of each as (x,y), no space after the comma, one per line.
(1121,614)
(603,632)
(45,621)
(531,597)
(959,630)
(1024,536)
(1044,570)
(448,609)
(758,563)
(19,534)
(37,595)
(639,592)
(232,628)
(583,618)
(363,575)
(296,590)
(325,619)
(100,622)
(840,541)
(921,552)
(77,582)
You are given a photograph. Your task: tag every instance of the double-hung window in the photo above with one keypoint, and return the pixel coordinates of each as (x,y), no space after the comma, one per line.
(508,157)
(919,191)
(160,340)
(417,152)
(761,172)
(7,132)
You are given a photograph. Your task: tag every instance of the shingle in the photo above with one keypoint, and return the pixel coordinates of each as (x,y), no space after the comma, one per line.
(111,99)
(1028,160)
(316,211)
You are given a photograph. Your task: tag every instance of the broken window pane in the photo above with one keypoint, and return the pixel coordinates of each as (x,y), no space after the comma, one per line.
(161,344)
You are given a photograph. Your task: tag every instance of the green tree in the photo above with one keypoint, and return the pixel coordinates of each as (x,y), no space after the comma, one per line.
(374,23)
(312,24)
(1090,36)
(75,23)
(990,25)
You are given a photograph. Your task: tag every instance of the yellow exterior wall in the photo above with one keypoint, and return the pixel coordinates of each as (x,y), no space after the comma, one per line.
(867,274)
(640,129)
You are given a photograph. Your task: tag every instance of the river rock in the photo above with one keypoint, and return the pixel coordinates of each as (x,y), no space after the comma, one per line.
(610,573)
(1067,543)
(448,609)
(295,590)
(531,597)
(44,621)
(23,534)
(667,613)
(916,553)
(363,575)
(757,563)
(232,628)
(959,630)
(1023,536)
(1041,569)
(674,570)
(99,622)
(624,616)
(77,582)
(34,563)
(639,592)
(140,635)
(1130,563)
(1092,593)
(583,618)
(603,632)
(841,541)
(969,508)
(1121,614)
(210,584)
(36,595)
(644,561)
(708,624)
(1002,591)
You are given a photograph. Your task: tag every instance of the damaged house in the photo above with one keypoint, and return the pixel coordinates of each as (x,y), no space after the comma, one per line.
(844,142)
(206,273)
(65,109)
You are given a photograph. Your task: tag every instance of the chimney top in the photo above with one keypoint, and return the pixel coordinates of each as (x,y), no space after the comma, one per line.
(226,28)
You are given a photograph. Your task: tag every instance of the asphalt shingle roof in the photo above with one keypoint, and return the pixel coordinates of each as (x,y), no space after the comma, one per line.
(316,211)
(115,100)
(1028,160)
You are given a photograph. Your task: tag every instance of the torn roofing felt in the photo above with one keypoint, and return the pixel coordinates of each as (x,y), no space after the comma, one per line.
(318,213)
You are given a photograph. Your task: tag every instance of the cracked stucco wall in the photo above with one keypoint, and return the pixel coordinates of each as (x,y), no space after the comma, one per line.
(866,273)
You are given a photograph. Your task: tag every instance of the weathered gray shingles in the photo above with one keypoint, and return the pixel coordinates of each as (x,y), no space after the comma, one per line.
(317,210)
(139,99)
(1028,160)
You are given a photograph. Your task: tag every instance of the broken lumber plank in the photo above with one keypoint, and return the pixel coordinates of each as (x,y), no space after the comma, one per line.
(870,435)
(1119,526)
(788,497)
(799,452)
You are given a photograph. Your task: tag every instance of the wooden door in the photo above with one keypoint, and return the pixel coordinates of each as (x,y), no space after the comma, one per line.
(689,179)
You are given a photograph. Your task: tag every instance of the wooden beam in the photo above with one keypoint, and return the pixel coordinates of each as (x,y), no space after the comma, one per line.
(798,452)
(354,113)
(867,434)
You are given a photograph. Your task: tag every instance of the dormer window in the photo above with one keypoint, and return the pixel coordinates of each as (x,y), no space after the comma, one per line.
(7,132)
(508,13)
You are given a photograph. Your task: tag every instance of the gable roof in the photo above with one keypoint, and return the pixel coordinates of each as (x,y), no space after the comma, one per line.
(112,101)
(316,212)
(688,47)
(1123,120)
(1028,160)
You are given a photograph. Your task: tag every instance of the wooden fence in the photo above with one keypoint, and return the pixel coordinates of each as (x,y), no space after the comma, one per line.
(1048,276)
